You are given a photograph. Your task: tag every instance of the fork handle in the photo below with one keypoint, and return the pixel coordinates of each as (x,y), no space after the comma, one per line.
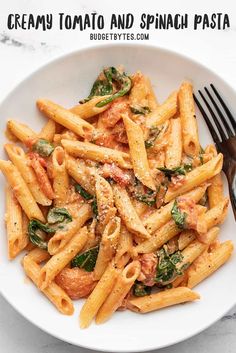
(231,176)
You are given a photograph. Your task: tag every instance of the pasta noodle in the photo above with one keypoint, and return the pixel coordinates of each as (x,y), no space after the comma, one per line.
(138,153)
(48,131)
(21,190)
(96,153)
(60,176)
(98,296)
(128,213)
(121,288)
(174,147)
(105,202)
(163,299)
(163,215)
(163,112)
(58,261)
(197,176)
(53,292)
(214,260)
(89,109)
(62,237)
(191,144)
(19,159)
(108,246)
(21,131)
(14,225)
(64,117)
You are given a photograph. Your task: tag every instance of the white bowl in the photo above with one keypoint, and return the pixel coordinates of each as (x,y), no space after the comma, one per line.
(66,80)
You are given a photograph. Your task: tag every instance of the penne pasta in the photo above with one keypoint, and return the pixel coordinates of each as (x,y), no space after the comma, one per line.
(185,238)
(21,131)
(96,153)
(58,261)
(162,299)
(163,215)
(138,153)
(38,255)
(19,159)
(105,202)
(121,288)
(98,296)
(203,269)
(159,238)
(65,118)
(60,176)
(163,112)
(139,207)
(14,225)
(53,292)
(211,218)
(108,246)
(48,131)
(81,173)
(62,237)
(215,191)
(151,97)
(128,213)
(89,109)
(173,153)
(196,177)
(124,249)
(140,93)
(21,190)
(93,239)
(42,178)
(191,144)
(193,251)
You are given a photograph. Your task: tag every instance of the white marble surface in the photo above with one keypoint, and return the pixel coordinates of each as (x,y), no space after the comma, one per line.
(21,52)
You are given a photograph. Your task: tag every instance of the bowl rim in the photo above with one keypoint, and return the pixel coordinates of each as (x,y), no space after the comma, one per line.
(67,55)
(88,48)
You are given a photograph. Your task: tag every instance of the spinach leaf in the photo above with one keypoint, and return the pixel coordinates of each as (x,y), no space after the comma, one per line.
(149,198)
(153,135)
(122,80)
(36,239)
(87,196)
(143,194)
(43,147)
(178,216)
(140,110)
(57,214)
(83,192)
(101,87)
(95,208)
(181,170)
(166,268)
(140,290)
(86,260)
(104,87)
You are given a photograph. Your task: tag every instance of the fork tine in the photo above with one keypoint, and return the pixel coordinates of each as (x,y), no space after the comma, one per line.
(207,120)
(226,109)
(219,127)
(224,121)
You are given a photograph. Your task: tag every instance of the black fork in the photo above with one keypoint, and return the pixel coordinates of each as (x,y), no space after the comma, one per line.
(222,126)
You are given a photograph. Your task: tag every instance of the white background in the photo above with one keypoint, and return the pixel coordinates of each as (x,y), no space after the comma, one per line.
(21,52)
